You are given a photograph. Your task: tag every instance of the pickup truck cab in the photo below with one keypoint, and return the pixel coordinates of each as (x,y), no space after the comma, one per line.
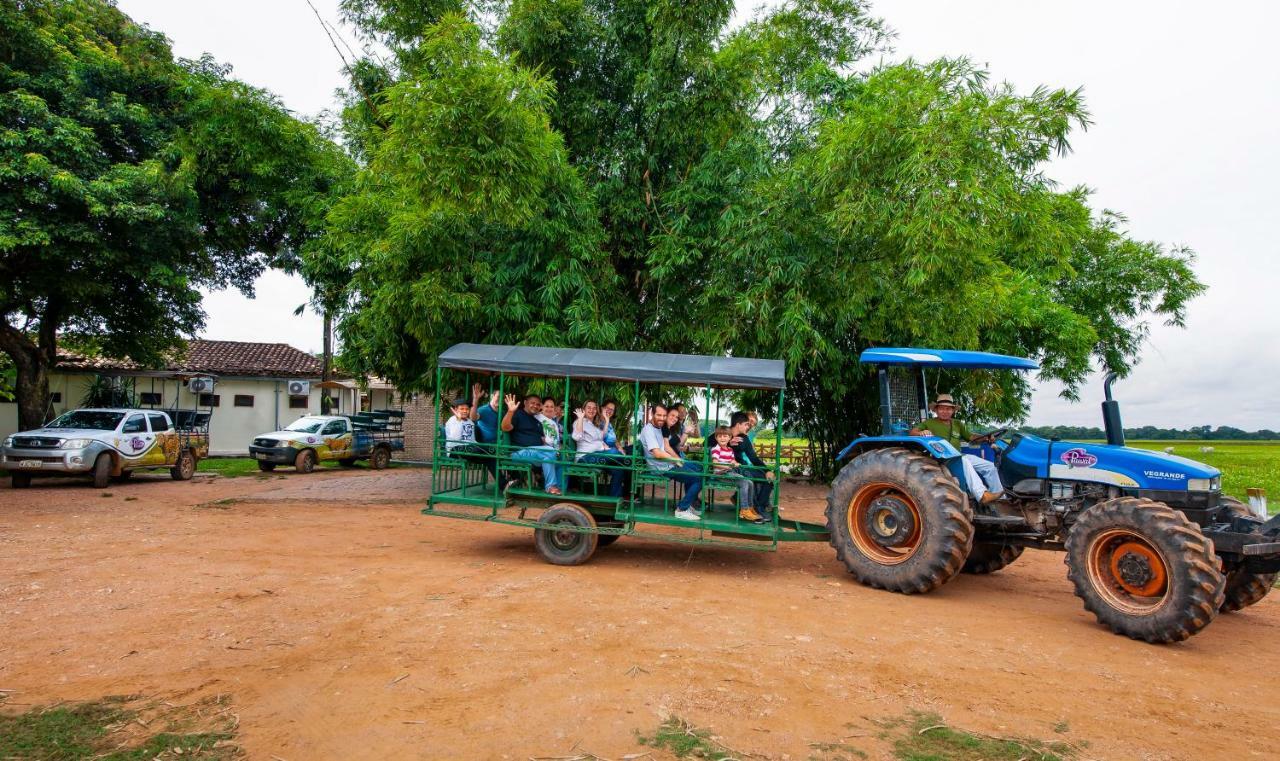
(101,444)
(313,439)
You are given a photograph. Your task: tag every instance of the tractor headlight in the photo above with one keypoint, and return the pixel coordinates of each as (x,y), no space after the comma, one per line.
(75,443)
(1204,484)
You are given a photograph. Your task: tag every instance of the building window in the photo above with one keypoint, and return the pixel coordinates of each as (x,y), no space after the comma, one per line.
(56,397)
(298,402)
(149,397)
(210,400)
(244,400)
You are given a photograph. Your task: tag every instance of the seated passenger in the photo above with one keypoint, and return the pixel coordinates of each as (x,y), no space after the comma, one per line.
(724,463)
(982,480)
(609,412)
(749,463)
(661,458)
(589,429)
(521,422)
(485,416)
(460,438)
(674,429)
(550,420)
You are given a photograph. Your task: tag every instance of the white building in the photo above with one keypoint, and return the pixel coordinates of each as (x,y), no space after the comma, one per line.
(251,392)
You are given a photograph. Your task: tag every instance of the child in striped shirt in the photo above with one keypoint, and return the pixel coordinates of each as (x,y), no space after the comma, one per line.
(724,463)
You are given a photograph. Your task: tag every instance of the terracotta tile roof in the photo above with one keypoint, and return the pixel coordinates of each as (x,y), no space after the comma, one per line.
(245,358)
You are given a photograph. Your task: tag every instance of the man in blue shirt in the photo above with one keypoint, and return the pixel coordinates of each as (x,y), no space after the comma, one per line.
(484,415)
(661,458)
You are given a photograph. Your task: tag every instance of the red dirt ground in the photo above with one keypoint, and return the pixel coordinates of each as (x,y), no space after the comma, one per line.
(346,625)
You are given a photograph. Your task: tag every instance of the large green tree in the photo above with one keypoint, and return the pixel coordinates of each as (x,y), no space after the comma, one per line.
(127,181)
(647,175)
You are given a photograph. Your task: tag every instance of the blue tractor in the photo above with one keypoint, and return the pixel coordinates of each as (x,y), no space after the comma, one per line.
(1152,546)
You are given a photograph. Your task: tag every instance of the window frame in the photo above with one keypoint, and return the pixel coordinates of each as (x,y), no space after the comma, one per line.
(238,400)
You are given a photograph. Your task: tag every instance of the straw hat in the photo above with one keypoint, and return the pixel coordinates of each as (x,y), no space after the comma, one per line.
(946,399)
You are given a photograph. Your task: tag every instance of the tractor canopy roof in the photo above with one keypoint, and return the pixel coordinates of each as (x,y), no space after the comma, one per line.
(646,367)
(977,360)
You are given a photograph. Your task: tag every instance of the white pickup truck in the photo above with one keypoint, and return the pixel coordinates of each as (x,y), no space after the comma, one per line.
(102,443)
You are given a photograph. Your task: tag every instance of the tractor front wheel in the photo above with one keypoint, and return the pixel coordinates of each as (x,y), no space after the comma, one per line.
(1144,570)
(899,521)
(566,535)
(989,557)
(1244,588)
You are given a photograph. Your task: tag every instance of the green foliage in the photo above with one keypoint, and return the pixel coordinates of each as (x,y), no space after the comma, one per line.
(927,738)
(641,176)
(683,740)
(110,391)
(129,180)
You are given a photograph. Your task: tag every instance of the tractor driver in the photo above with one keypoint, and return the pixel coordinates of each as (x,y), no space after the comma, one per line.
(981,478)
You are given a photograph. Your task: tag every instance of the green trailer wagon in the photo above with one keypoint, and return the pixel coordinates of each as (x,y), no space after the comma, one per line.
(569,527)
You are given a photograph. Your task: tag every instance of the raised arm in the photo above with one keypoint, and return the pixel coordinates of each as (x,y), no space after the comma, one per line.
(476,391)
(512,406)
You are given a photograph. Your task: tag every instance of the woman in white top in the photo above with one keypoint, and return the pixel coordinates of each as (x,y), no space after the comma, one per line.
(590,429)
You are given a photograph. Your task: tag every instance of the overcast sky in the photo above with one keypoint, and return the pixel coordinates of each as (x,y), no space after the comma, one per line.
(1185,99)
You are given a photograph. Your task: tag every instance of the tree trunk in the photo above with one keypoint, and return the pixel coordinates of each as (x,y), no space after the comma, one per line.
(31,382)
(326,366)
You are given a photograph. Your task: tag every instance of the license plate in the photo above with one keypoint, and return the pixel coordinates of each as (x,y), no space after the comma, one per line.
(30,464)
(260,455)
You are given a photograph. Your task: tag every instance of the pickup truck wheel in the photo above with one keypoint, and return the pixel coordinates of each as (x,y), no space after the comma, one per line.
(20,480)
(184,468)
(380,459)
(305,462)
(102,471)
(266,467)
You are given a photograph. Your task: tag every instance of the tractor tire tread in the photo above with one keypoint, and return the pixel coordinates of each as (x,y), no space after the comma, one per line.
(1244,588)
(1193,604)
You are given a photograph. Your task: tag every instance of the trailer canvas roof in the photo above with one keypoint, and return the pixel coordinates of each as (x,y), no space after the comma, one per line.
(646,367)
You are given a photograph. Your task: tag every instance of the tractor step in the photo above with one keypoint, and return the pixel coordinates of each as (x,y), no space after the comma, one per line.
(1000,521)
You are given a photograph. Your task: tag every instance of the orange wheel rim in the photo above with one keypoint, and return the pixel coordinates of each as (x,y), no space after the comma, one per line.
(1129,571)
(884,523)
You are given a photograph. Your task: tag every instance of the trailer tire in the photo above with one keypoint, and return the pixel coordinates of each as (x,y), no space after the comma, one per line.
(1244,588)
(380,458)
(305,461)
(20,480)
(184,468)
(899,521)
(266,467)
(102,471)
(989,557)
(566,546)
(1144,570)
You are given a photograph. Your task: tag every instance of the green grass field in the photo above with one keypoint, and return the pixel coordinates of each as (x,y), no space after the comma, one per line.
(233,467)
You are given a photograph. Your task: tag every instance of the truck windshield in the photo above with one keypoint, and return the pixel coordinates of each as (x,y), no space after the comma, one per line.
(94,420)
(305,425)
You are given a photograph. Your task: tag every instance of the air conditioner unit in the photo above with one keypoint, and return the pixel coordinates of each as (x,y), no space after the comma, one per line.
(299,388)
(200,385)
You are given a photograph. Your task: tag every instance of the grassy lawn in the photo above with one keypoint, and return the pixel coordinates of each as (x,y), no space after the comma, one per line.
(1244,464)
(233,467)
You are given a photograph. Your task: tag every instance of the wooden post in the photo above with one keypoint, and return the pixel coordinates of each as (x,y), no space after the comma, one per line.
(1258,502)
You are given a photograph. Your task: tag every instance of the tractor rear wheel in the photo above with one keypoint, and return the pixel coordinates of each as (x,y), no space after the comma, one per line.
(566,535)
(1144,570)
(899,521)
(1244,588)
(989,557)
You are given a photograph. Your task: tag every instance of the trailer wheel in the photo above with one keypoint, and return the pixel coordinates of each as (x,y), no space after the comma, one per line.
(556,539)
(1144,570)
(380,458)
(1244,588)
(102,471)
(989,557)
(899,521)
(305,461)
(20,480)
(185,467)
(266,467)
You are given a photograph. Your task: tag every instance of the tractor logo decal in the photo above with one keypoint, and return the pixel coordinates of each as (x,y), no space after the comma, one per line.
(136,443)
(1079,458)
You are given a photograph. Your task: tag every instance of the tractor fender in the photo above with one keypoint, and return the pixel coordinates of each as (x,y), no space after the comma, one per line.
(935,447)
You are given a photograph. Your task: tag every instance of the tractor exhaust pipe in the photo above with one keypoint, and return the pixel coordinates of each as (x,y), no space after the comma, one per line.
(1111,414)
